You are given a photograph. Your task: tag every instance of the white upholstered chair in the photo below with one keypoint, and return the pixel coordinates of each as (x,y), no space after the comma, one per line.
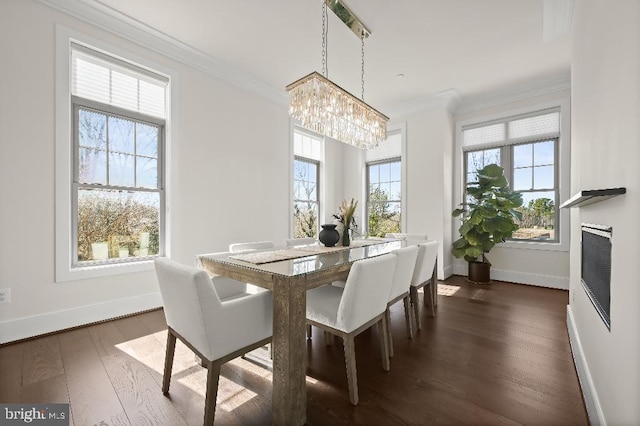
(406,263)
(256,245)
(405,236)
(227,288)
(425,275)
(348,312)
(216,331)
(248,247)
(293,242)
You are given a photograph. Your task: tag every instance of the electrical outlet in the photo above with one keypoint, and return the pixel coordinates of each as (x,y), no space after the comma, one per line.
(5,295)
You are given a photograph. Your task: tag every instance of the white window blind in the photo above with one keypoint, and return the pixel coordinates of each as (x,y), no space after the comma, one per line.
(389,148)
(484,134)
(547,124)
(307,145)
(510,130)
(116,83)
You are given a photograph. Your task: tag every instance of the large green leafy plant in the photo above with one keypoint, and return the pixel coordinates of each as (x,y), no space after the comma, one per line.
(488,217)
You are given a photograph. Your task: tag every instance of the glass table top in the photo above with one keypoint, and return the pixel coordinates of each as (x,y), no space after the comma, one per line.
(313,262)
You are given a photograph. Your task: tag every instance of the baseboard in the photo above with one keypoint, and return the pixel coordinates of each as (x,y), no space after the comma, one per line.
(23,328)
(540,280)
(447,272)
(594,410)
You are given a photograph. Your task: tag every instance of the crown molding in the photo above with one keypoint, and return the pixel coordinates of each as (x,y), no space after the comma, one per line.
(514,94)
(448,99)
(102,16)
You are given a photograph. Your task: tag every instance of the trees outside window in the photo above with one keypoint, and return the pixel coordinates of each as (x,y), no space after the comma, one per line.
(384,197)
(305,203)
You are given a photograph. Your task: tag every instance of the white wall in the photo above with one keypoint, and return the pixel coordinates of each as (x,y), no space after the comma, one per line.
(230,167)
(516,262)
(336,187)
(606,139)
(429,150)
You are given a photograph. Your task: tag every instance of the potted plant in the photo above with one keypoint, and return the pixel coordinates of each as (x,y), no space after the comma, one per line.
(488,217)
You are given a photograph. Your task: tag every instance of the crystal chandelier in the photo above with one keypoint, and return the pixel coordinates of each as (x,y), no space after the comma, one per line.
(324,107)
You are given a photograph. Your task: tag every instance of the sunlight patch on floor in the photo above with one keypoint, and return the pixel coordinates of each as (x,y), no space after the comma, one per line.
(231,395)
(149,349)
(195,381)
(447,290)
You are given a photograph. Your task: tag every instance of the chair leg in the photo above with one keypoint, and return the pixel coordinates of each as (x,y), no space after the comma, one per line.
(213,376)
(350,360)
(434,287)
(407,316)
(328,338)
(413,293)
(385,342)
(168,361)
(387,315)
(432,300)
(308,331)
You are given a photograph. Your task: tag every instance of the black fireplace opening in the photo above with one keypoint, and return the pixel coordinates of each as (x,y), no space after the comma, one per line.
(596,268)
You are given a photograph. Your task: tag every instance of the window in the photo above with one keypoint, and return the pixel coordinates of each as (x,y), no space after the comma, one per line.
(384,177)
(306,180)
(527,148)
(118,160)
(384,197)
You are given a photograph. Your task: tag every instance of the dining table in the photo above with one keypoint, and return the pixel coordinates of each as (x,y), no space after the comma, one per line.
(288,273)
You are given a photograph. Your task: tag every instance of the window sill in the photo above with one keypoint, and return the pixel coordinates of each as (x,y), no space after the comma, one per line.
(97,271)
(535,245)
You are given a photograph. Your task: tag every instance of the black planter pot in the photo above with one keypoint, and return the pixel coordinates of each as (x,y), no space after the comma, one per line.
(479,272)
(329,236)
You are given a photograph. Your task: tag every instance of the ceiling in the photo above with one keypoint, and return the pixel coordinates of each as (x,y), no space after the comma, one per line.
(417,48)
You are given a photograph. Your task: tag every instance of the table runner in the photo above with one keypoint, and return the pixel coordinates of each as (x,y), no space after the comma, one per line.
(270,256)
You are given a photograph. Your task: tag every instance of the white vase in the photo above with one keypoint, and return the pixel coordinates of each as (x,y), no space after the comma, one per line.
(100,250)
(144,240)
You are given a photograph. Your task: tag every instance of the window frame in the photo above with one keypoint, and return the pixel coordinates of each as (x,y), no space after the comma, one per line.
(78,103)
(507,162)
(400,129)
(320,163)
(318,187)
(368,186)
(478,118)
(64,152)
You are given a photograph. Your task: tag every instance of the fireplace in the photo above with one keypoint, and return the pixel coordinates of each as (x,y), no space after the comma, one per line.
(596,268)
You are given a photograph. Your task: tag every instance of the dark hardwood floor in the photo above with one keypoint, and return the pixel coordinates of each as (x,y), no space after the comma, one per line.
(493,355)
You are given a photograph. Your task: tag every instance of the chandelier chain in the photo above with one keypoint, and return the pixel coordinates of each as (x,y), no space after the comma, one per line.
(324,39)
(362,48)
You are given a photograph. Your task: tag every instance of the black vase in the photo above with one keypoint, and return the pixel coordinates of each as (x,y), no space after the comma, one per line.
(329,236)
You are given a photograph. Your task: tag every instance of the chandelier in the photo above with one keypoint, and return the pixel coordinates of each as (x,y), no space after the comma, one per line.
(324,107)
